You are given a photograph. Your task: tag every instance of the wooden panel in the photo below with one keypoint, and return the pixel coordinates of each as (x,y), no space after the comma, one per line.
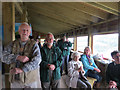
(103,7)
(9,30)
(8,22)
(87,9)
(55,11)
(112,5)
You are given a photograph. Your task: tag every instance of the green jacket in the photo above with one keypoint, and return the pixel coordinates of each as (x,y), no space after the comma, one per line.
(55,55)
(65,47)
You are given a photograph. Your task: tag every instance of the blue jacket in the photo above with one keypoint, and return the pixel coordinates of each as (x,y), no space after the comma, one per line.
(86,64)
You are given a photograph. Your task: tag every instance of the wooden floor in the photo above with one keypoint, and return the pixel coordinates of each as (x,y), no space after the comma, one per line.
(62,83)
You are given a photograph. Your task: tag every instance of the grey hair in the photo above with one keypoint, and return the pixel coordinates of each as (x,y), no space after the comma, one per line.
(75,53)
(49,33)
(25,23)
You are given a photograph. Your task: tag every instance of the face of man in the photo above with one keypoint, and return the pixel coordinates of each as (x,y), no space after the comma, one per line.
(24,31)
(49,39)
(117,57)
(64,38)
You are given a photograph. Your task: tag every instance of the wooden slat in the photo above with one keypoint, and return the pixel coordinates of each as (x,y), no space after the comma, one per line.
(65,11)
(76,13)
(54,12)
(87,9)
(103,7)
(18,7)
(46,20)
(111,5)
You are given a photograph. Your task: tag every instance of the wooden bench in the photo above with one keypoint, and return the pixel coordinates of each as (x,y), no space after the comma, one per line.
(91,80)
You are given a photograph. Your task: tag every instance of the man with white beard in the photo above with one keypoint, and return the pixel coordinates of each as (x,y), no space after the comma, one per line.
(50,65)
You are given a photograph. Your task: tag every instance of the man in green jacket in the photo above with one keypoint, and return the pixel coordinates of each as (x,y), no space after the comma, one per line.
(50,65)
(65,47)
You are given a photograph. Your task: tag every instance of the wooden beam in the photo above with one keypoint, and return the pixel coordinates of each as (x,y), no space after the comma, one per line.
(103,7)
(111,5)
(18,7)
(46,20)
(75,43)
(87,9)
(8,10)
(90,39)
(24,16)
(47,9)
(75,13)
(8,22)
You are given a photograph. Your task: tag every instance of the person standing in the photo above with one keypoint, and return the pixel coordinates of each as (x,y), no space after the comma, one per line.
(50,65)
(65,46)
(24,58)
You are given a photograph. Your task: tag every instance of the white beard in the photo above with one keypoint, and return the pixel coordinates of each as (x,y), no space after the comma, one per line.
(50,44)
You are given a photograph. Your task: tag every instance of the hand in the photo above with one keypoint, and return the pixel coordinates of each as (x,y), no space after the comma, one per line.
(80,69)
(51,66)
(112,84)
(23,59)
(96,69)
(16,71)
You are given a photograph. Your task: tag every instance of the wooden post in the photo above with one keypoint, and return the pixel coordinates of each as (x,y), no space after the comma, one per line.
(8,11)
(119,28)
(8,22)
(24,16)
(0,47)
(90,39)
(75,43)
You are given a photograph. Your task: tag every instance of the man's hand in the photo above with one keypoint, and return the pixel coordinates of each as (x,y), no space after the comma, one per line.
(23,59)
(16,71)
(51,66)
(96,69)
(112,84)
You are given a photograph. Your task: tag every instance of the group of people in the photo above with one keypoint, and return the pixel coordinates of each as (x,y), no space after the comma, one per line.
(30,64)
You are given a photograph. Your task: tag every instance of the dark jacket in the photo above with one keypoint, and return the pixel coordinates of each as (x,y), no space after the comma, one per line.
(50,56)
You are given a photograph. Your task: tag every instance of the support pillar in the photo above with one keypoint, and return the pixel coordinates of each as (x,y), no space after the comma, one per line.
(90,39)
(8,12)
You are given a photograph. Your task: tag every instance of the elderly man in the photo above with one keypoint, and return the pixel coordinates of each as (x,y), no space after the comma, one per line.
(50,65)
(113,71)
(24,58)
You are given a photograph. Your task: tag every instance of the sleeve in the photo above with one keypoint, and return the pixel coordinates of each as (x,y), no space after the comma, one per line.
(85,63)
(108,74)
(8,57)
(35,61)
(71,71)
(44,62)
(58,62)
(82,67)
(69,44)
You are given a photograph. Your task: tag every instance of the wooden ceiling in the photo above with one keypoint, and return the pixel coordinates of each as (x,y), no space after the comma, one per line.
(60,17)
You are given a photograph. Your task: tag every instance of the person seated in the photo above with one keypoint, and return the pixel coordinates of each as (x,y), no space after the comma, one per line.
(113,71)
(91,70)
(75,77)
